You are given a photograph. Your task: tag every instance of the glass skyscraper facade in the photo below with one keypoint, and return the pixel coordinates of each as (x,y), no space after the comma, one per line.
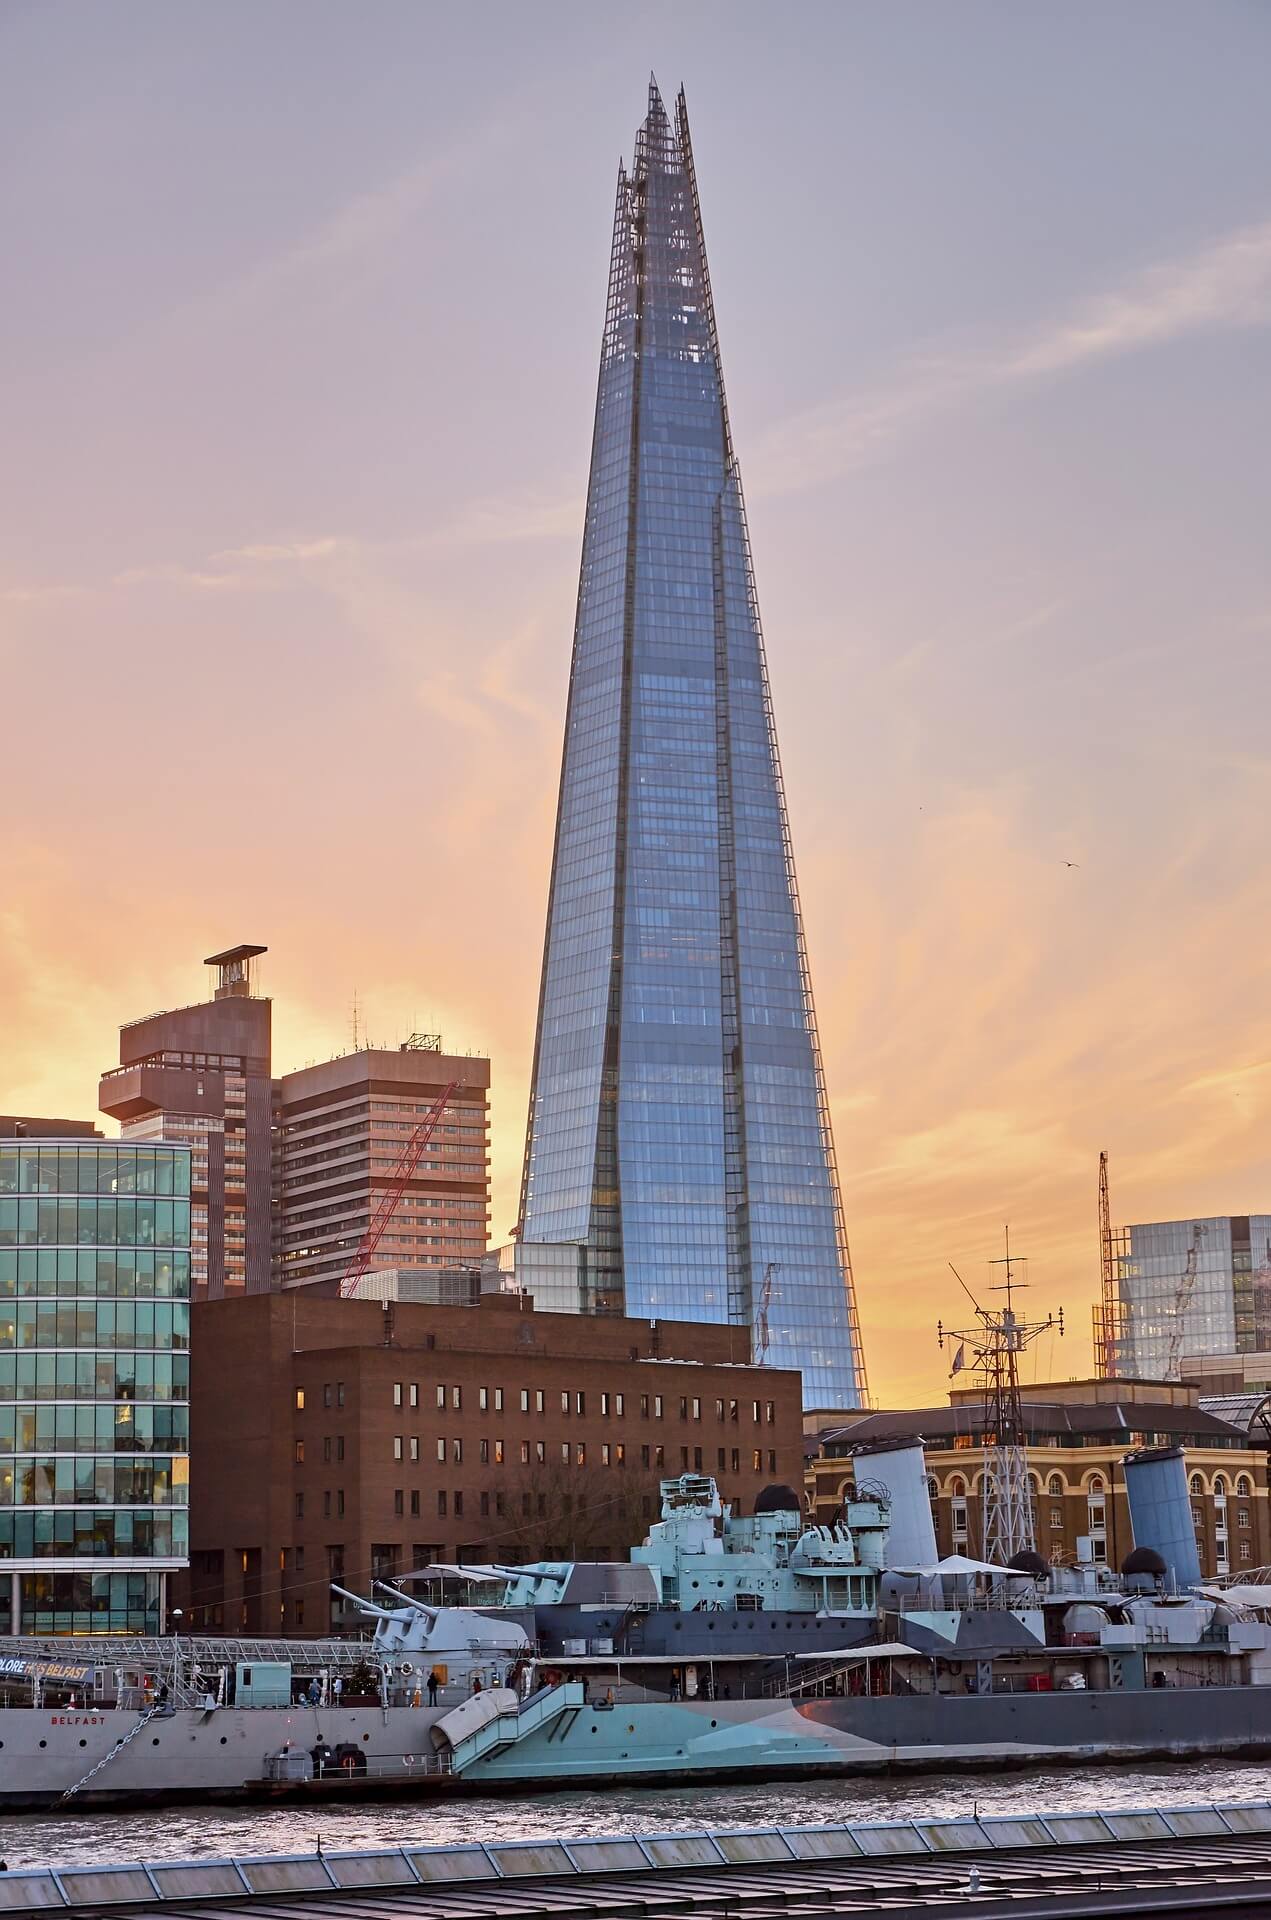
(94,1383)
(679,1134)
(1189,1289)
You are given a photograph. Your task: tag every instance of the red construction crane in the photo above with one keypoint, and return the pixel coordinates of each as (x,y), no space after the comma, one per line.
(411,1155)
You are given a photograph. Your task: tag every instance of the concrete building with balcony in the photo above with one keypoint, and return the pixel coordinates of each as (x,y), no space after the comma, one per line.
(201,1075)
(340,1128)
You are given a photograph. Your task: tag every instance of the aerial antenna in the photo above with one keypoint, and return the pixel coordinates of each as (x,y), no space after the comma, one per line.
(355,1020)
(996,1343)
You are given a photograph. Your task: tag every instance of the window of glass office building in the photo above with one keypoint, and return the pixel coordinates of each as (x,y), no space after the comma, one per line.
(94,1382)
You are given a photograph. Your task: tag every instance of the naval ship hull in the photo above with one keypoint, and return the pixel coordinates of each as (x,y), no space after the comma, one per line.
(226,1755)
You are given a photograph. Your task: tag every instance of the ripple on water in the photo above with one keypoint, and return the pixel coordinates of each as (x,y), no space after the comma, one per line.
(176,1833)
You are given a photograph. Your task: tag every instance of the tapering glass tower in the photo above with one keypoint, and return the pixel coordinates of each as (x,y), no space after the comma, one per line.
(679,1136)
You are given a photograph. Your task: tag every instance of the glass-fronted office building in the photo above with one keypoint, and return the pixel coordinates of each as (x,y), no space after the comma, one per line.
(94,1383)
(679,1134)
(1191,1288)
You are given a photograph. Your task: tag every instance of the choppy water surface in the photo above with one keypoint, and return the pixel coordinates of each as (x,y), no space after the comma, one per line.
(175,1833)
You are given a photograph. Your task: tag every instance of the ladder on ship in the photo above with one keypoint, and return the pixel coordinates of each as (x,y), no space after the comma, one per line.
(117,1749)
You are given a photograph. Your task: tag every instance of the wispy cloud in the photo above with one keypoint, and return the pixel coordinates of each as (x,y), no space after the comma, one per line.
(1226,284)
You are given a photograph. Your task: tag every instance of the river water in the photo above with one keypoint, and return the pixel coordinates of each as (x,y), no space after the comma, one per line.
(176,1833)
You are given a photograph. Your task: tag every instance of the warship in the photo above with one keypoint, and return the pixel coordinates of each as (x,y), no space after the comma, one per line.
(724,1648)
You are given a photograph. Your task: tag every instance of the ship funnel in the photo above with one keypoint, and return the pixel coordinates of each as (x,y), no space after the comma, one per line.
(900,1466)
(1161,1510)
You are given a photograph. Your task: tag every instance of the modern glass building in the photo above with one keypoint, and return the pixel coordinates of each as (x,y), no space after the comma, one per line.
(1189,1289)
(679,1134)
(94,1383)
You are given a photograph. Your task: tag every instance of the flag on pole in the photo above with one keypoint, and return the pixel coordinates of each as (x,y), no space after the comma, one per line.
(959,1360)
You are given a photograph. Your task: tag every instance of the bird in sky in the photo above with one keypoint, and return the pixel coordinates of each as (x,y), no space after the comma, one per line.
(1072,863)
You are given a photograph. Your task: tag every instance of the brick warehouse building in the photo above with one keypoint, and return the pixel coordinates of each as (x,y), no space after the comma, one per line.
(1078,1433)
(349,1440)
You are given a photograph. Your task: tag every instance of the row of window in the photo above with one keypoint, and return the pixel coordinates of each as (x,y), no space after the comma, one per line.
(108,1170)
(94,1223)
(611,1453)
(81,1533)
(406,1394)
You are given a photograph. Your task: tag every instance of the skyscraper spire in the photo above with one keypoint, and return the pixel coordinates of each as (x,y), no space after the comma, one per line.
(679,1135)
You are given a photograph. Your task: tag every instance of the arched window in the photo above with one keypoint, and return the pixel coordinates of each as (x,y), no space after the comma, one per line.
(1220,1486)
(1244,1486)
(1197,1484)
(1055,1485)
(933,1486)
(957,1487)
(1096,1483)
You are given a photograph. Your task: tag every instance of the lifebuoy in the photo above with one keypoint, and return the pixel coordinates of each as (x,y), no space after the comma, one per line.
(406,1667)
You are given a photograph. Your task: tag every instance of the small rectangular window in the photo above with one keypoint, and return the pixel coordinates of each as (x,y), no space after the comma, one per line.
(734,1411)
(645,1459)
(458,1505)
(540,1452)
(755,1415)
(619,1453)
(659,1457)
(414,1393)
(441,1451)
(414,1503)
(756,1460)
(441,1503)
(483,1399)
(326,1394)
(485,1505)
(720,1458)
(525,1453)
(719,1409)
(339,1499)
(564,1400)
(326,1448)
(644,1406)
(657,1406)
(456,1452)
(498,1453)
(339,1446)
(339,1393)
(697,1459)
(604,1406)
(498,1399)
(397,1393)
(399,1452)
(300,1453)
(525,1399)
(300,1506)
(414,1446)
(456,1399)
(326,1504)
(300,1399)
(580,1454)
(441,1399)
(620,1405)
(770,1409)
(697,1408)
(539,1402)
(399,1501)
(564,1452)
(580,1403)
(772,1460)
(734,1460)
(484,1453)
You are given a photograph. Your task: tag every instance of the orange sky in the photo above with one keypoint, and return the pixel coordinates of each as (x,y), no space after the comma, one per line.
(299,422)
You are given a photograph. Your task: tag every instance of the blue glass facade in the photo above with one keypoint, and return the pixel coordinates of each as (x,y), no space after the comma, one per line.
(679,1133)
(94,1383)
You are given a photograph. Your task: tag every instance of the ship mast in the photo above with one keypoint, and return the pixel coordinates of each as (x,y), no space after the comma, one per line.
(996,1342)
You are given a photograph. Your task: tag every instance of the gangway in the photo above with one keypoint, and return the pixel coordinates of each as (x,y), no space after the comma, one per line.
(490,1722)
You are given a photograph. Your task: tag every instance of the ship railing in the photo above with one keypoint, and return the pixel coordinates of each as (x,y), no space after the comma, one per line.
(997,1600)
(387,1766)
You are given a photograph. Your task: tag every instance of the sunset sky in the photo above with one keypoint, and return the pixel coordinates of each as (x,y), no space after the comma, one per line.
(297,364)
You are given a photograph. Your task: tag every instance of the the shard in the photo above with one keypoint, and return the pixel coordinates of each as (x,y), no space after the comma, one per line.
(679,1162)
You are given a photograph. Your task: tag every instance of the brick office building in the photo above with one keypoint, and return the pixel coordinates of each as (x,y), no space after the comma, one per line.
(1078,1433)
(352,1439)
